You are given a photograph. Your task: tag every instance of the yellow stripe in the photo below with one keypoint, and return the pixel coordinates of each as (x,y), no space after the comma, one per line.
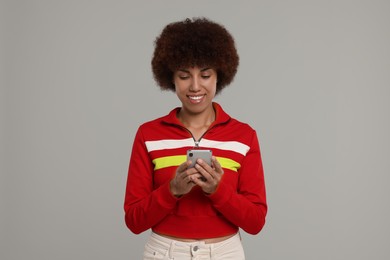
(229,164)
(169,161)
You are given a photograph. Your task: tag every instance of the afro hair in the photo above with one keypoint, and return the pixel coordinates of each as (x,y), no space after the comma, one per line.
(197,42)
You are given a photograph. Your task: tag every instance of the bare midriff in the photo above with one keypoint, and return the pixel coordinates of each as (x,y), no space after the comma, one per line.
(206,240)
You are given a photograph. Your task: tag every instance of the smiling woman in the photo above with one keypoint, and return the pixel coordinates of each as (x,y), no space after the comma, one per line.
(195,211)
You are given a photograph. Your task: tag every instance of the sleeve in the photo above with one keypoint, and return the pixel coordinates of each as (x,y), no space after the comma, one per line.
(245,207)
(144,207)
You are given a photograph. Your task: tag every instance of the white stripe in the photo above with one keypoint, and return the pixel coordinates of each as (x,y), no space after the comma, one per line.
(169,144)
(227,145)
(204,143)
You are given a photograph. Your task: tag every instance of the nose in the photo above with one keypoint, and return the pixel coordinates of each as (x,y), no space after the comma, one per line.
(195,85)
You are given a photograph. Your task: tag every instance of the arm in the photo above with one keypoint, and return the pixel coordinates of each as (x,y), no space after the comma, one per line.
(144,207)
(245,207)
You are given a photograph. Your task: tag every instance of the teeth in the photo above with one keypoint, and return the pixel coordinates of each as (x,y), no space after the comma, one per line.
(195,97)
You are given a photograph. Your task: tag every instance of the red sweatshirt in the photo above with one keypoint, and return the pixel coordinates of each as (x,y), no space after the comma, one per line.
(160,147)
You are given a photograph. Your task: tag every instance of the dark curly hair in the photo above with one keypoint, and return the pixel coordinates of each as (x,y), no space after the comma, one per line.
(197,42)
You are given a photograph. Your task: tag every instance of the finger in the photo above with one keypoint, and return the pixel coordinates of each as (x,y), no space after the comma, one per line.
(204,165)
(194,176)
(206,173)
(182,167)
(189,179)
(181,170)
(216,164)
(186,174)
(197,180)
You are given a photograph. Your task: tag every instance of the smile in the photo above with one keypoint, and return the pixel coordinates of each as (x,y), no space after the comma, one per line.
(196,99)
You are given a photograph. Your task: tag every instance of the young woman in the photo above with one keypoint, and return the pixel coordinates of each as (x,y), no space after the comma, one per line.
(195,212)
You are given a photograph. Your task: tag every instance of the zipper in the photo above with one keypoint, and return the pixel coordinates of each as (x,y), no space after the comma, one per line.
(200,138)
(196,142)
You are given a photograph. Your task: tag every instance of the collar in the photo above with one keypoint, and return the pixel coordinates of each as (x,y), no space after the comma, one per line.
(220,116)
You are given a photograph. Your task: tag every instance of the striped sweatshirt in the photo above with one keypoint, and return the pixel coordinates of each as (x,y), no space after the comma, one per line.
(160,147)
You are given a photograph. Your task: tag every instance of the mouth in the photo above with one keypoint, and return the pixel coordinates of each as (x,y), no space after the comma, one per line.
(196,99)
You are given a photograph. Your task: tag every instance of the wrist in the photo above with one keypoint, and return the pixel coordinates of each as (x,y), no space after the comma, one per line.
(173,189)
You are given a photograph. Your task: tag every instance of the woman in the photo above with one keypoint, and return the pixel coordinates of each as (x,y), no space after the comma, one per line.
(195,212)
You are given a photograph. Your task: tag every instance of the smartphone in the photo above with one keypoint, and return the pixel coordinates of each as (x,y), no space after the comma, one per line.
(196,154)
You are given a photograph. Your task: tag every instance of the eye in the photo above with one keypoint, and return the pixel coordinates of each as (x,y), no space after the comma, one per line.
(205,76)
(183,77)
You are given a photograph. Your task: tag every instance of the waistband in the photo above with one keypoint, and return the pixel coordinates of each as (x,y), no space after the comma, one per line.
(199,242)
(193,248)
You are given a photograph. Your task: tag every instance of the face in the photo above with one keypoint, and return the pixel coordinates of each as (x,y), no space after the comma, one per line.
(196,88)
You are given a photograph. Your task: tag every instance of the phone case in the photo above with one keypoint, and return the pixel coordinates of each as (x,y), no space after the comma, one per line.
(194,154)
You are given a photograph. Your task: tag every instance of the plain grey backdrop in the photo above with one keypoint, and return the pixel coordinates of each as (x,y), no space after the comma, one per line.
(314,81)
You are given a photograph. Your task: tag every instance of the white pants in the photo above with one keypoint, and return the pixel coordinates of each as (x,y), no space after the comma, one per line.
(159,247)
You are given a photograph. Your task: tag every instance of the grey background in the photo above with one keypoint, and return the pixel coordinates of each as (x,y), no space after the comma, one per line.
(75,84)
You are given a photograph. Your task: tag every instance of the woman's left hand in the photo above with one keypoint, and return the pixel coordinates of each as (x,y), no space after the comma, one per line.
(212,175)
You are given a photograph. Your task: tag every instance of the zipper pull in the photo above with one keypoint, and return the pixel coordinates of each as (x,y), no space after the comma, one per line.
(196,143)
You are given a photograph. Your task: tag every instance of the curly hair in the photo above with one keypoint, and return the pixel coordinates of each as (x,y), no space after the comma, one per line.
(197,42)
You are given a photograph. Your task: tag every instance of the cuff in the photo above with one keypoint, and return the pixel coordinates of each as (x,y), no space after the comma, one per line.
(165,196)
(221,195)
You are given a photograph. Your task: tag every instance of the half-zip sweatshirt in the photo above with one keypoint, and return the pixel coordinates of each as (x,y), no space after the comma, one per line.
(160,146)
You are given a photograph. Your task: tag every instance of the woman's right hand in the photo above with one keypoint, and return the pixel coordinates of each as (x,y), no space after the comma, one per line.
(183,181)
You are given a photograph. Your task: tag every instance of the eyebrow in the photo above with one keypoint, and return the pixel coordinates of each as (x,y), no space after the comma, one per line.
(201,70)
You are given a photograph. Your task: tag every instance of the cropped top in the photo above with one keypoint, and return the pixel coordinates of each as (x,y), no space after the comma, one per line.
(160,147)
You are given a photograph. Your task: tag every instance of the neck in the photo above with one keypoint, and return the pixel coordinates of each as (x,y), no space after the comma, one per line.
(197,120)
